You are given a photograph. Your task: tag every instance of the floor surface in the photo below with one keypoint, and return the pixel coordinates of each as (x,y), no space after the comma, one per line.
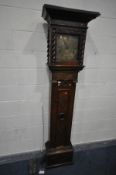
(101,161)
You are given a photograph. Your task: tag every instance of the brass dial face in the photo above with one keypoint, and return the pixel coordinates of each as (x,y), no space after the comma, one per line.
(67,47)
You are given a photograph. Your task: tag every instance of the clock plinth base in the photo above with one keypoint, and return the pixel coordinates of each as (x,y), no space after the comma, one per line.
(58,156)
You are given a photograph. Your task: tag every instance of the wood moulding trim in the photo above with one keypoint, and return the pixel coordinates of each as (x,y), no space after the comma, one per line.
(65,68)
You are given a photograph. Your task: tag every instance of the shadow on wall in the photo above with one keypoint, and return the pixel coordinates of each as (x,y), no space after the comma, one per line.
(91,49)
(37,47)
(90,45)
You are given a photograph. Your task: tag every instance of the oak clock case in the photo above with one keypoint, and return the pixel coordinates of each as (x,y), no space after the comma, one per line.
(66,42)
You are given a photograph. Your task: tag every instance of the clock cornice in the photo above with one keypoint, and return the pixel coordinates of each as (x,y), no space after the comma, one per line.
(55,13)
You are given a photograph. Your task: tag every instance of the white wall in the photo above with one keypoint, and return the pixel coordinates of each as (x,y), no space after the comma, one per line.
(24,82)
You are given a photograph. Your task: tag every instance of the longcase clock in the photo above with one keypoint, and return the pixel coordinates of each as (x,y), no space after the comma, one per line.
(66,41)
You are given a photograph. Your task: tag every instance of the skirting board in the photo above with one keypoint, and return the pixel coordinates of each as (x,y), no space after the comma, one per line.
(38,154)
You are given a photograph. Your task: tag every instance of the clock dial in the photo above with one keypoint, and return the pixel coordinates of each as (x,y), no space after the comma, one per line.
(67,47)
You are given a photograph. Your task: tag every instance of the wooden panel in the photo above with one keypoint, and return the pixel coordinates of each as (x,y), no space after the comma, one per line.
(64,96)
(64,76)
(61,112)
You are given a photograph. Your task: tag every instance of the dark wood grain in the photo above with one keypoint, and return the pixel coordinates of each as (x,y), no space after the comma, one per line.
(69,22)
